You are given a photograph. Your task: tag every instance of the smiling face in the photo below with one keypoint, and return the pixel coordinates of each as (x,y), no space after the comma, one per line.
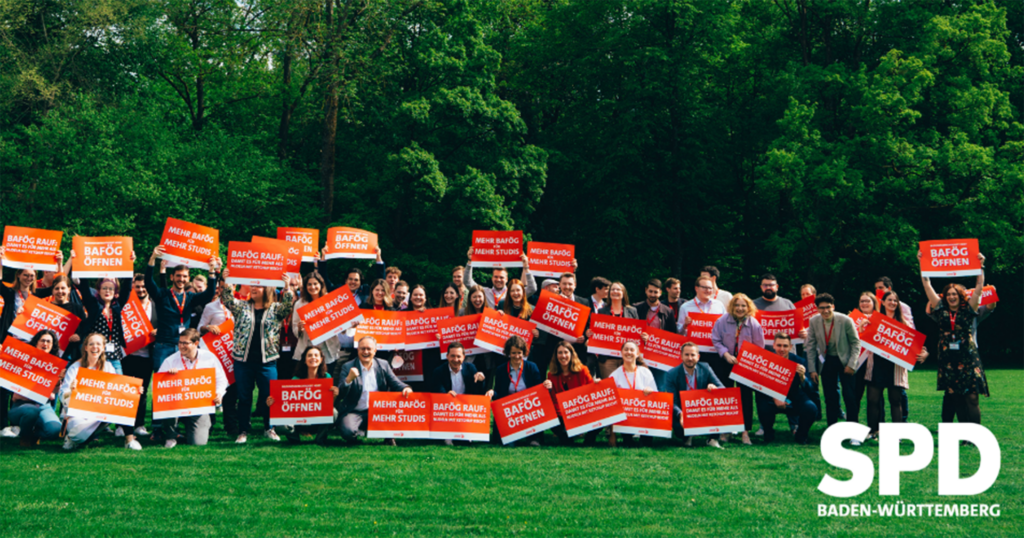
(378,294)
(499,278)
(139,287)
(567,285)
(457,278)
(616,292)
(477,298)
(630,352)
(516,292)
(94,347)
(769,289)
(782,346)
(953,298)
(653,293)
(892,303)
(45,343)
(418,299)
(61,292)
(704,289)
(456,356)
(354,281)
(401,294)
(740,309)
(564,357)
(180,279)
(198,285)
(314,358)
(313,287)
(108,290)
(450,296)
(865,305)
(25,278)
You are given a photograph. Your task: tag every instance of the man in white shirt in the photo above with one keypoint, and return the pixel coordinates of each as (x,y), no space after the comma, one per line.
(190,357)
(365,374)
(702,303)
(719,294)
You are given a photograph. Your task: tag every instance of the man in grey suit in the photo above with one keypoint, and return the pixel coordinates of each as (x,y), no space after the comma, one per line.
(365,374)
(833,336)
(690,375)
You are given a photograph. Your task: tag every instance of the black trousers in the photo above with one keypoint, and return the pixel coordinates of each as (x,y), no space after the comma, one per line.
(831,373)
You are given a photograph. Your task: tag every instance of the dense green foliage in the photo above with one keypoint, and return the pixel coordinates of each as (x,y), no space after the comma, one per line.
(421,488)
(819,140)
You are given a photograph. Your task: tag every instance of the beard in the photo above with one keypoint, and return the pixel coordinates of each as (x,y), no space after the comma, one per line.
(768,294)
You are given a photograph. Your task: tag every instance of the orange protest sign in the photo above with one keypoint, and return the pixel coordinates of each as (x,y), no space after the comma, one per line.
(807,310)
(559,316)
(590,407)
(138,329)
(386,327)
(221,345)
(256,264)
(763,371)
(28,371)
(185,394)
(301,402)
(105,397)
(307,237)
(462,329)
(988,295)
(949,257)
(38,315)
(890,339)
(550,260)
(497,249)
(497,327)
(663,350)
(102,257)
(790,322)
(699,330)
(465,417)
(189,244)
(712,411)
(524,413)
(421,327)
(330,315)
(293,256)
(31,248)
(609,333)
(649,414)
(408,365)
(354,243)
(393,415)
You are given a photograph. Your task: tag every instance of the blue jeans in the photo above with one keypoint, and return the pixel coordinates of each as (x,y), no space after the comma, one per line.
(247,377)
(35,420)
(161,351)
(116,363)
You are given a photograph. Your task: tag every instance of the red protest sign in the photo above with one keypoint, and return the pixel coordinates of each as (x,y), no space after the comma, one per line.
(465,417)
(649,414)
(102,257)
(497,249)
(663,350)
(293,254)
(496,327)
(28,371)
(330,315)
(559,316)
(712,411)
(138,329)
(187,393)
(699,330)
(763,371)
(410,367)
(524,413)
(609,333)
(421,327)
(550,260)
(38,315)
(462,329)
(988,295)
(31,248)
(386,327)
(393,415)
(790,322)
(301,402)
(949,257)
(189,244)
(590,407)
(105,397)
(221,345)
(807,310)
(256,264)
(888,338)
(307,237)
(351,243)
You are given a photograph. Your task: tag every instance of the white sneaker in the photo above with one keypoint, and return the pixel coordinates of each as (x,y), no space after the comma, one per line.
(855,442)
(170,443)
(69,444)
(242,438)
(119,432)
(714,443)
(272,435)
(759,432)
(10,432)
(141,431)
(133,445)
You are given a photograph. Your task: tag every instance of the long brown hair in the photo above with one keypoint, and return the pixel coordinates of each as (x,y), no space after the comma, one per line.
(315,275)
(960,291)
(898,315)
(555,367)
(302,369)
(527,308)
(102,362)
(468,309)
(387,294)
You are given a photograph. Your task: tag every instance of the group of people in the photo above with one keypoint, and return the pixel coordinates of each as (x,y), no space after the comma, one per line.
(270,342)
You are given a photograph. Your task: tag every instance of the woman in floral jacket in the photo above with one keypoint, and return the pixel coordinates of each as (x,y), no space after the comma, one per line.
(258,323)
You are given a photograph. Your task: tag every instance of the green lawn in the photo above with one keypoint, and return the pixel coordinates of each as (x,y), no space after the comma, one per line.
(421,489)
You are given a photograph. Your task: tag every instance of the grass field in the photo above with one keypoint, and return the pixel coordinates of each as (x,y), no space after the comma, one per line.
(423,489)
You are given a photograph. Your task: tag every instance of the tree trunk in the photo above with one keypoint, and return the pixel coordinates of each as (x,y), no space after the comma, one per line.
(286,108)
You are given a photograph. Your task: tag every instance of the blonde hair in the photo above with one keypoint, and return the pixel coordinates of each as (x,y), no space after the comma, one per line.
(752,310)
(102,362)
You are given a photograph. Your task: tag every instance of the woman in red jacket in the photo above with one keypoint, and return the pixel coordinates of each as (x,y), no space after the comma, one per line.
(567,372)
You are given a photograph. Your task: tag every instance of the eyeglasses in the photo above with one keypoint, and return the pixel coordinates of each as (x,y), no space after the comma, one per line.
(706,288)
(185,343)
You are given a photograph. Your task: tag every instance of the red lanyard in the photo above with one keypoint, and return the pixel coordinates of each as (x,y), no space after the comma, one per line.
(498,298)
(696,302)
(828,335)
(110,322)
(180,305)
(185,363)
(952,322)
(519,378)
(693,385)
(618,315)
(736,347)
(632,386)
(651,316)
(378,307)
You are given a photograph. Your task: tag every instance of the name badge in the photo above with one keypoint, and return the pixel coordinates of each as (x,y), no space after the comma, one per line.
(954,346)
(286,348)
(181,329)
(110,347)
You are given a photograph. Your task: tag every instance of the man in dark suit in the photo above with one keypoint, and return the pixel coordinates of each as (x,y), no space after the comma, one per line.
(690,375)
(797,401)
(658,316)
(457,377)
(364,375)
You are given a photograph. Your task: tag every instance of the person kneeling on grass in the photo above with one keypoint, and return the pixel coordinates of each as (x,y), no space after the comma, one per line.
(312,366)
(633,375)
(34,420)
(366,374)
(690,375)
(457,377)
(514,376)
(80,430)
(797,402)
(190,357)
